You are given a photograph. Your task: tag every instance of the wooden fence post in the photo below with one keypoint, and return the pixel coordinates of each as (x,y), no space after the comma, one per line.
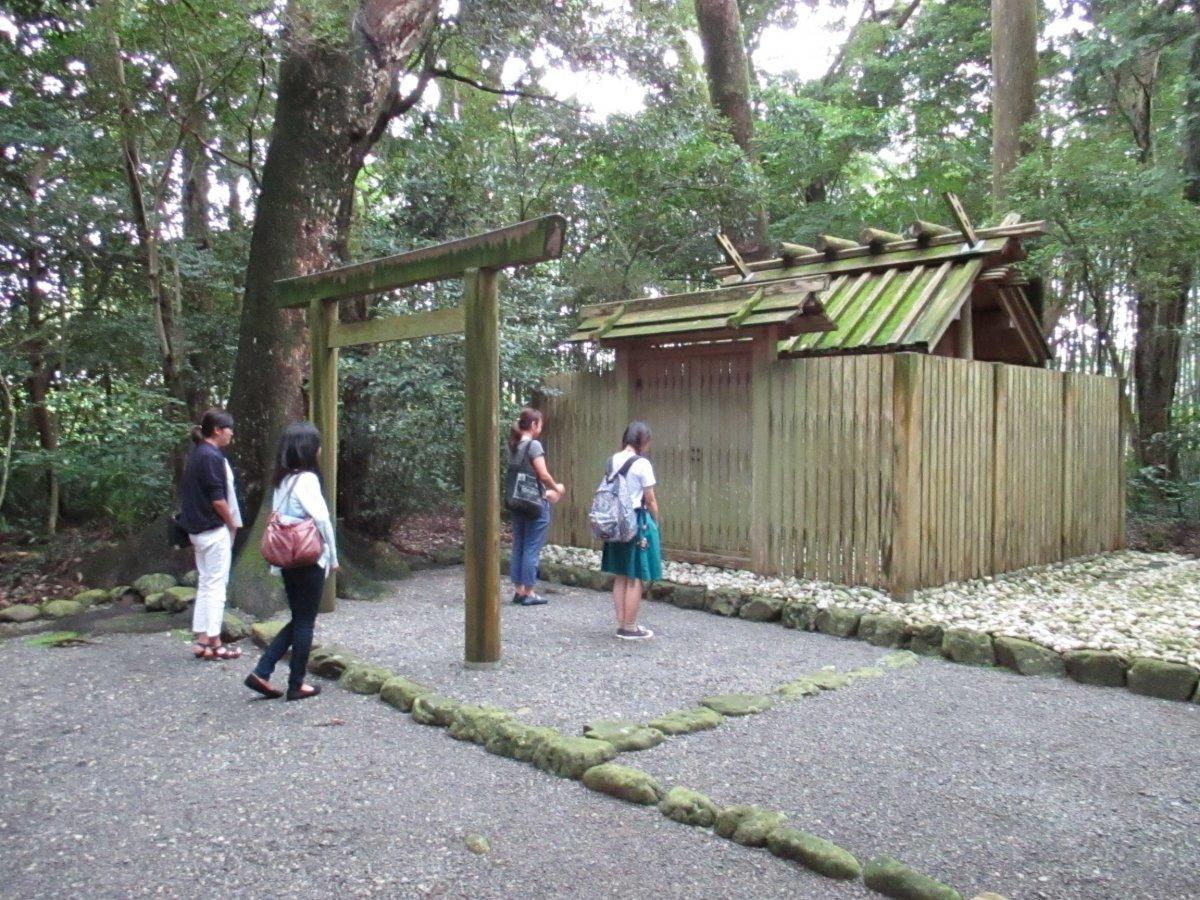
(481,544)
(323,410)
(903,564)
(762,361)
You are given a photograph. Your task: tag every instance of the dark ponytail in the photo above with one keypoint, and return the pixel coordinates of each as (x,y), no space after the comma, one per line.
(524,422)
(212,420)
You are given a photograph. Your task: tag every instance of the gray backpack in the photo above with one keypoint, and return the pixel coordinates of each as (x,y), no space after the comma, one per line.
(613,516)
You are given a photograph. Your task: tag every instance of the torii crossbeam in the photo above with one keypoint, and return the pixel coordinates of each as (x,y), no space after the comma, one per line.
(476,260)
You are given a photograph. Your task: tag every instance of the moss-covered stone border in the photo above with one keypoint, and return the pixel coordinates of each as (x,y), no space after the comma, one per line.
(1141,675)
(589,759)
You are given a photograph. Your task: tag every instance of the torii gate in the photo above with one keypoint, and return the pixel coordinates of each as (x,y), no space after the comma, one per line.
(476,260)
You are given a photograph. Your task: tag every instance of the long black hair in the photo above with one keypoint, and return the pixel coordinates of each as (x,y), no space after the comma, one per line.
(637,436)
(524,422)
(298,446)
(212,420)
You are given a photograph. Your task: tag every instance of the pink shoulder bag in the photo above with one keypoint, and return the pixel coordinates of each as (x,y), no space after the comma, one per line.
(291,546)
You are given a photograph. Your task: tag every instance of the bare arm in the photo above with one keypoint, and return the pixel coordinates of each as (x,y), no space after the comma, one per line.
(651,502)
(544,476)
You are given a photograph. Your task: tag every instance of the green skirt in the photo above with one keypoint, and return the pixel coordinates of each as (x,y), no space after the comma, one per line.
(632,560)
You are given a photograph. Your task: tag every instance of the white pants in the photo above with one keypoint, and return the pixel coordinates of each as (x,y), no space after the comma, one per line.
(214,553)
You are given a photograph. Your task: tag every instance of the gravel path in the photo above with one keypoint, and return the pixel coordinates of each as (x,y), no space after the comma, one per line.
(1029,787)
(1135,604)
(131,770)
(562,664)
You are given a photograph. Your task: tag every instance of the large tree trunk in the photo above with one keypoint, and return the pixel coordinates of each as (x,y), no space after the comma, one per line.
(1014,87)
(728,73)
(1162,313)
(197,232)
(335,94)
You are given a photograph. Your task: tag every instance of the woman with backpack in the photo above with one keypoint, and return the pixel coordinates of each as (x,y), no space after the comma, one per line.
(210,515)
(298,497)
(529,532)
(635,562)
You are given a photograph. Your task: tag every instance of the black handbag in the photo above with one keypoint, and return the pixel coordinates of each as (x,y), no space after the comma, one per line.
(522,490)
(177,535)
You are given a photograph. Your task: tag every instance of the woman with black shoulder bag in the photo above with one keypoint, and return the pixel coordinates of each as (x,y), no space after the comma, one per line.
(530,514)
(300,543)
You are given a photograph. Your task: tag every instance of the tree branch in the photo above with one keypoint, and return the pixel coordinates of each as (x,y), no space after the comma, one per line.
(451,75)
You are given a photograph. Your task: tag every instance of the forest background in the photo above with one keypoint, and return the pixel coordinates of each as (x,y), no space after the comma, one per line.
(162,161)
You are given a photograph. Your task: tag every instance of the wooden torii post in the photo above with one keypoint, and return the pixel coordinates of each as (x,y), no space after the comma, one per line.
(476,260)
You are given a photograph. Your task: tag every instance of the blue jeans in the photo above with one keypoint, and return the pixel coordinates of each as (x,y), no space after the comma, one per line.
(529,536)
(303,587)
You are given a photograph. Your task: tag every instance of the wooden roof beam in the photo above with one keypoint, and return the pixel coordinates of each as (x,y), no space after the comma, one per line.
(789,253)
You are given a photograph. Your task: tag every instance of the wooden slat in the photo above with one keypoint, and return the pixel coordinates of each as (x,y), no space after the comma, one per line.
(536,240)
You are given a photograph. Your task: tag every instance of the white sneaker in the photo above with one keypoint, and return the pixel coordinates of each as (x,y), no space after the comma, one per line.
(635,634)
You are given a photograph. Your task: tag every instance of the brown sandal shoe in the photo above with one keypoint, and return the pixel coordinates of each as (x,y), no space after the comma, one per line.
(223,652)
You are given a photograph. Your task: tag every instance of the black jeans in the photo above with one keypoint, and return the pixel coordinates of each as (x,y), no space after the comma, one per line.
(303,587)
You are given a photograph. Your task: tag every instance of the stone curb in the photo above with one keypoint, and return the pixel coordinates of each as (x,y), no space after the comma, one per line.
(1153,678)
(587,759)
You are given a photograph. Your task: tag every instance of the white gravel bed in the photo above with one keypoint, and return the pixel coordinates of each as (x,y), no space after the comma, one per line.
(1135,604)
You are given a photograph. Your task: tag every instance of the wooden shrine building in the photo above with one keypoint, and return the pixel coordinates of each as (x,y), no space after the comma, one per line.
(873,411)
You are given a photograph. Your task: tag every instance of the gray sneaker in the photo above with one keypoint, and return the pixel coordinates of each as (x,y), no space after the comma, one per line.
(635,634)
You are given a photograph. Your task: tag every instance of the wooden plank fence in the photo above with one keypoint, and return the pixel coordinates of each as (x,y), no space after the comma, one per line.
(897,471)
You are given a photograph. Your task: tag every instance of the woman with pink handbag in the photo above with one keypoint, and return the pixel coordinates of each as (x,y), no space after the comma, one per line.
(299,541)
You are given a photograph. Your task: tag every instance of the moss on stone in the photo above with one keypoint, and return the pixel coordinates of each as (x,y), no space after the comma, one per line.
(262,633)
(477,724)
(689,596)
(1155,678)
(56,639)
(61,609)
(1027,658)
(154,583)
(448,556)
(724,601)
(1099,667)
(400,692)
(799,615)
(92,597)
(838,621)
(434,709)
(570,757)
(748,824)
(892,878)
(598,581)
(686,721)
(328,662)
(881,630)
(738,704)
(625,736)
(689,807)
(815,853)
(154,602)
(800,687)
(624,782)
(926,640)
(972,648)
(827,679)
(233,628)
(518,740)
(761,608)
(178,598)
(661,590)
(121,591)
(364,678)
(19,612)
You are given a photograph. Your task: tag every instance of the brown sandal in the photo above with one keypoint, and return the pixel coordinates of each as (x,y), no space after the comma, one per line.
(223,652)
